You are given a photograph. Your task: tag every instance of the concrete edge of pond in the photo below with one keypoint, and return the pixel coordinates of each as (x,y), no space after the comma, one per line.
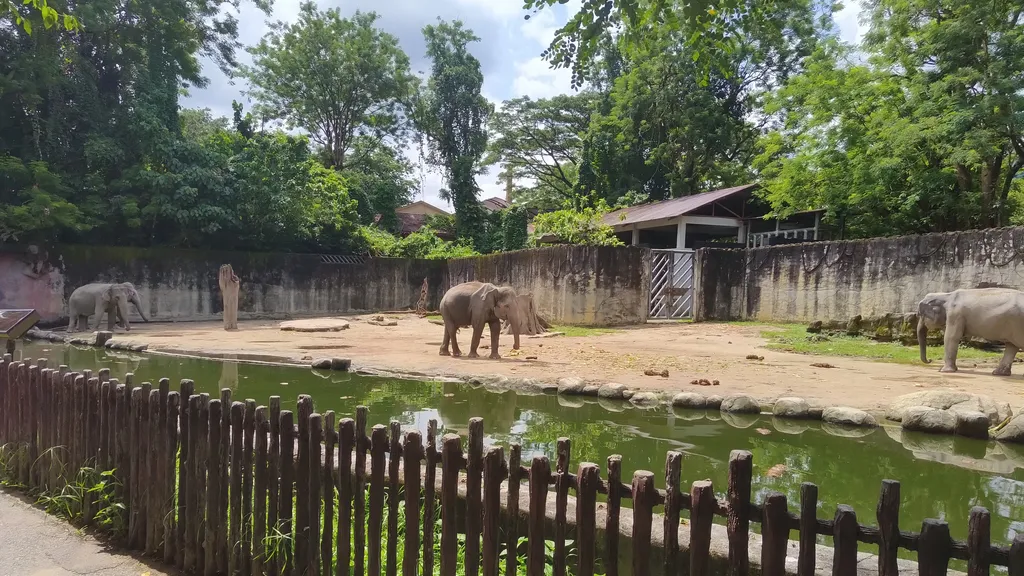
(843,420)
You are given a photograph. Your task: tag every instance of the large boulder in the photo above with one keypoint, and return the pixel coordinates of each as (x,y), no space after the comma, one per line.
(791,408)
(927,419)
(571,385)
(1013,431)
(951,400)
(740,404)
(714,402)
(846,416)
(972,425)
(612,391)
(690,400)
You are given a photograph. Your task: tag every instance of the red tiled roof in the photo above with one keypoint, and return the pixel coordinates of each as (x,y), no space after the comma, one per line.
(670,208)
(495,204)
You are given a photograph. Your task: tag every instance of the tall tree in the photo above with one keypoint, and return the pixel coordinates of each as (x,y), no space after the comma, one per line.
(452,115)
(336,78)
(540,141)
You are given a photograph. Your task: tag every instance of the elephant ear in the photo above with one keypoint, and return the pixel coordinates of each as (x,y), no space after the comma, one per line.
(487,294)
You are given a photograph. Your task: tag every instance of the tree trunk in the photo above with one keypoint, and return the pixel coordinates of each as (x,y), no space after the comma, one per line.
(530,323)
(229,285)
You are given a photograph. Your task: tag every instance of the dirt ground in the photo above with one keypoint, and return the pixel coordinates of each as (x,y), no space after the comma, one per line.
(687,351)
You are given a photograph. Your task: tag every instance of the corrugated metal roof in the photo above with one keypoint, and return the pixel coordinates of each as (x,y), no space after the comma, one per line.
(670,208)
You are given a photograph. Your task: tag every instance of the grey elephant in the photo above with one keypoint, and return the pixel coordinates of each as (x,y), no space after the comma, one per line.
(95,299)
(475,304)
(995,314)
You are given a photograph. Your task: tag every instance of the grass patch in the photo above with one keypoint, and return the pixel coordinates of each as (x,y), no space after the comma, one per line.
(581,331)
(434,317)
(794,338)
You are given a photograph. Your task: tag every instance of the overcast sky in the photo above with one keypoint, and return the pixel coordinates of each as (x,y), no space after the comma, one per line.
(509,52)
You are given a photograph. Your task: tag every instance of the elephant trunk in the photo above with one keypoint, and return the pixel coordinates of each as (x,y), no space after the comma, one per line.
(922,339)
(138,306)
(122,307)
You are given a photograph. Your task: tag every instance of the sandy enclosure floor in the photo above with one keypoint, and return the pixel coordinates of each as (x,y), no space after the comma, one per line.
(687,351)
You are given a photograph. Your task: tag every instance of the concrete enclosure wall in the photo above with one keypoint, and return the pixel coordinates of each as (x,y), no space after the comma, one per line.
(579,285)
(571,285)
(839,280)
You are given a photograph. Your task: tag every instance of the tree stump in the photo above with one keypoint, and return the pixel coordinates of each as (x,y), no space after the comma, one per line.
(229,285)
(421,304)
(530,323)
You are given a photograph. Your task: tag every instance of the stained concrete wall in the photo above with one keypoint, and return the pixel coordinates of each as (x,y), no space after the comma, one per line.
(839,280)
(571,285)
(182,284)
(578,285)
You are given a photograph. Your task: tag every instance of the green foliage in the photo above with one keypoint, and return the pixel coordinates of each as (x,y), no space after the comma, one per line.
(921,136)
(33,203)
(383,182)
(452,115)
(423,243)
(336,78)
(24,18)
(573,226)
(513,228)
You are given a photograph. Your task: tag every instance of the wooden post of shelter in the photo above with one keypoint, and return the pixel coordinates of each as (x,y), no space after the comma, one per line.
(229,285)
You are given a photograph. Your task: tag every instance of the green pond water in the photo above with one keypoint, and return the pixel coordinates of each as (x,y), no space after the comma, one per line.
(941,477)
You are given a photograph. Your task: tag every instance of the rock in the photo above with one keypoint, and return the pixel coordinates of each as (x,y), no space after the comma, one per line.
(815,409)
(646,399)
(848,417)
(322,364)
(997,412)
(972,425)
(818,338)
(383,322)
(103,336)
(853,326)
(611,391)
(650,372)
(591,390)
(627,394)
(570,401)
(690,400)
(928,419)
(315,325)
(1013,431)
(741,404)
(791,408)
(341,364)
(571,385)
(847,431)
(754,357)
(814,327)
(140,347)
(713,402)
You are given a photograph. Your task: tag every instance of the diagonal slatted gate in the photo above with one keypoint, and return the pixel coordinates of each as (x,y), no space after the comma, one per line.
(671,284)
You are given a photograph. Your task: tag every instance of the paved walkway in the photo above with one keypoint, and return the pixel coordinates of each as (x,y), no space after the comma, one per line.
(33,543)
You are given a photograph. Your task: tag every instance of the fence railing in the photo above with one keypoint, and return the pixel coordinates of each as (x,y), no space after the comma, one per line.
(210,485)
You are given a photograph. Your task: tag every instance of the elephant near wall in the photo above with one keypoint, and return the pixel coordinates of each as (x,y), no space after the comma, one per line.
(475,304)
(995,314)
(96,298)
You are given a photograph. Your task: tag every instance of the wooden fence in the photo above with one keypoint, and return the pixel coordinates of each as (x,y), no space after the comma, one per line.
(210,485)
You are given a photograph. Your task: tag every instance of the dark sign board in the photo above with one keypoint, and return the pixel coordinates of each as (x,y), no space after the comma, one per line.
(14,323)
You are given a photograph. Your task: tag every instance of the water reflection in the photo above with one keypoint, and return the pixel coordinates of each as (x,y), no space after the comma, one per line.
(943,477)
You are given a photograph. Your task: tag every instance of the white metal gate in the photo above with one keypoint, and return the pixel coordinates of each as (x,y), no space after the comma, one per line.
(671,284)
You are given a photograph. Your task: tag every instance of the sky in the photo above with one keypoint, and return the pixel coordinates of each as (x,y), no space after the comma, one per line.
(509,53)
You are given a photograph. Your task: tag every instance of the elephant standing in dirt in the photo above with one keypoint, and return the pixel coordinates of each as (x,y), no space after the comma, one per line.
(96,298)
(995,314)
(475,304)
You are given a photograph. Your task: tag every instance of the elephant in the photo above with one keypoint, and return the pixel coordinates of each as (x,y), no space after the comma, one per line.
(995,314)
(475,304)
(95,299)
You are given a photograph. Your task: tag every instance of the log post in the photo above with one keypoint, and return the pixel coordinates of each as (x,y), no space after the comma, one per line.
(229,285)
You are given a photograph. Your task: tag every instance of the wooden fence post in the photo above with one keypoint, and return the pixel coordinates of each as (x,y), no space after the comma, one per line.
(540,477)
(202,480)
(775,535)
(738,522)
(844,561)
(235,540)
(611,531)
(171,541)
(702,512)
(644,497)
(327,484)
(316,429)
(378,454)
(1016,562)
(432,457)
(248,431)
(346,446)
(515,476)
(191,518)
(494,473)
(136,533)
(359,491)
(412,452)
(933,549)
(215,491)
(272,564)
(673,506)
(287,467)
(451,462)
(805,564)
(185,391)
(394,460)
(302,495)
(588,480)
(474,479)
(154,477)
(563,448)
(979,539)
(260,483)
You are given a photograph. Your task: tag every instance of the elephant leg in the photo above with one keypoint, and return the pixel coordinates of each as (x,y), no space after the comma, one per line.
(72,322)
(101,311)
(495,330)
(954,332)
(478,330)
(1007,361)
(444,343)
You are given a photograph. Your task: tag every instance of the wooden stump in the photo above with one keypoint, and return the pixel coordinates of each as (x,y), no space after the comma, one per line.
(530,323)
(229,285)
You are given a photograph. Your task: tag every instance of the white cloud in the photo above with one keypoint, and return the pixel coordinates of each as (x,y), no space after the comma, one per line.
(851,30)
(537,79)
